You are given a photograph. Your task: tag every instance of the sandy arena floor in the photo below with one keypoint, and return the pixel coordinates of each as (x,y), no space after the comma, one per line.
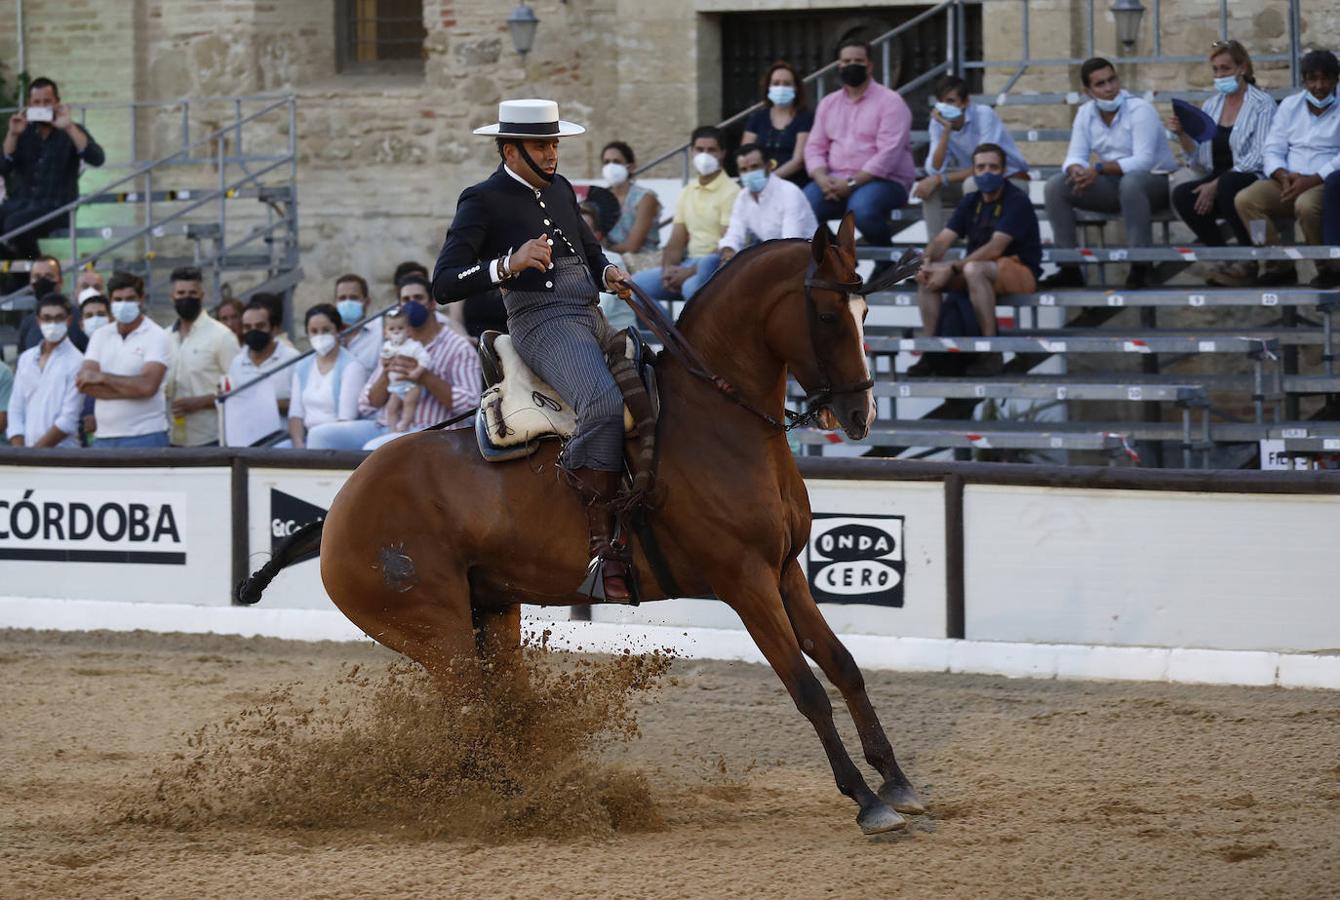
(1036,788)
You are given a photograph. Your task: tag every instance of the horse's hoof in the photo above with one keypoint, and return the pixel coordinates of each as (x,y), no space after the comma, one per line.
(902,798)
(878,819)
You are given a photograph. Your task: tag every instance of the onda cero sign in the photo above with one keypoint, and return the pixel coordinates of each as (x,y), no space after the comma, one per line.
(856,559)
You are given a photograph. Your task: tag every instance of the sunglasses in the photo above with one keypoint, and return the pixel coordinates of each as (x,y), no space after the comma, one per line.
(1225,45)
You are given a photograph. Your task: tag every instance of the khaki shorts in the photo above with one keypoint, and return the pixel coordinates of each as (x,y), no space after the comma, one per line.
(1012,277)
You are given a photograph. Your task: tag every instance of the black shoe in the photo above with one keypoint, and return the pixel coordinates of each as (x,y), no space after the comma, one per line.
(926,368)
(1328,279)
(1277,277)
(1067,277)
(986,365)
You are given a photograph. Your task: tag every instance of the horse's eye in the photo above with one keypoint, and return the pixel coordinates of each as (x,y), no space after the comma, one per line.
(827,318)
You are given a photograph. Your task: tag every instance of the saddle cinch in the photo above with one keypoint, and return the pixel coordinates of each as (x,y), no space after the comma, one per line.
(518,410)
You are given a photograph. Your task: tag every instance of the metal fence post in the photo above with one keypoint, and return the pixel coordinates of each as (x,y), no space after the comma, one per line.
(955,599)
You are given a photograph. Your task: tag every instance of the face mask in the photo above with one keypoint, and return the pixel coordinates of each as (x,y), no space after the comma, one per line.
(323,343)
(1111,105)
(93,323)
(989,182)
(755,181)
(853,75)
(54,332)
(1227,84)
(948,111)
(415,313)
(187,307)
(125,311)
(615,173)
(256,339)
(350,310)
(781,95)
(706,164)
(1321,104)
(42,287)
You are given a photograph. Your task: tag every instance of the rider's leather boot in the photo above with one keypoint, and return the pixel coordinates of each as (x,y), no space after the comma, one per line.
(597,489)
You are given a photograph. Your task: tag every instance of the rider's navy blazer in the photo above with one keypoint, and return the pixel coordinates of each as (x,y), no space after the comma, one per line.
(497,216)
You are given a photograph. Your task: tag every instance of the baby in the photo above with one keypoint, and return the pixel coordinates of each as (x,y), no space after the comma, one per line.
(404,395)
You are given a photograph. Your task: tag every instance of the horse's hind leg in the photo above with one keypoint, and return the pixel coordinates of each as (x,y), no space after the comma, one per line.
(821,645)
(760,608)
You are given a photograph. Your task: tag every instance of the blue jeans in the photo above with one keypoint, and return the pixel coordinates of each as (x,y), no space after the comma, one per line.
(157,439)
(1330,210)
(650,279)
(362,434)
(871,203)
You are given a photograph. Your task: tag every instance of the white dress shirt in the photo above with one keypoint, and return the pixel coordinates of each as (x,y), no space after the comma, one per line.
(981,126)
(1135,140)
(1301,142)
(780,210)
(43,397)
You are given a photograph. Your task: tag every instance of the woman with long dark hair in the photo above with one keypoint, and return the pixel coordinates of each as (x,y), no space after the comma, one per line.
(783,125)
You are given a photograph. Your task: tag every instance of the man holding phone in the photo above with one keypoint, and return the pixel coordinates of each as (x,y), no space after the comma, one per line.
(42,152)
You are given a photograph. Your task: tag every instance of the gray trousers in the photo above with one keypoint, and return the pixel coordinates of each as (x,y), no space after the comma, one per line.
(561,337)
(1135,195)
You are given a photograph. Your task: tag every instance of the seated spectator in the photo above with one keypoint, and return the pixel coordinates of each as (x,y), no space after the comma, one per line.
(1229,161)
(351,302)
(404,394)
(45,277)
(45,404)
(451,381)
(203,349)
(956,129)
(326,384)
(638,228)
(1303,150)
(275,304)
(616,312)
(124,369)
(94,312)
(860,153)
(1004,255)
(1328,274)
(768,208)
(229,313)
(262,351)
(89,278)
(783,125)
(41,164)
(701,216)
(1117,163)
(409,267)
(416,288)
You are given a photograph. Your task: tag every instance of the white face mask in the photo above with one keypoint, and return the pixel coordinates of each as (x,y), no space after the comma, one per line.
(93,323)
(54,332)
(323,343)
(125,311)
(706,164)
(615,173)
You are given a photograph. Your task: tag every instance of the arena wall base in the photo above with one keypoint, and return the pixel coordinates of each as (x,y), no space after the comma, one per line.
(1015,660)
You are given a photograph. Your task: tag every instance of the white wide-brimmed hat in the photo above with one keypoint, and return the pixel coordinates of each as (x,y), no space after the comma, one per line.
(530,119)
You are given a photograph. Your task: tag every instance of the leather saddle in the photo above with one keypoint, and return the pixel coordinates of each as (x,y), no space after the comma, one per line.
(518,409)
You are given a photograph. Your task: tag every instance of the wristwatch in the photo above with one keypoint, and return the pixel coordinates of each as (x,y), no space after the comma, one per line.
(851,182)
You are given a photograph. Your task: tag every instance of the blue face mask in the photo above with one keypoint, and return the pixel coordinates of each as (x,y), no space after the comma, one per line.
(781,95)
(415,313)
(350,310)
(1228,84)
(1321,104)
(755,180)
(948,111)
(989,182)
(1111,105)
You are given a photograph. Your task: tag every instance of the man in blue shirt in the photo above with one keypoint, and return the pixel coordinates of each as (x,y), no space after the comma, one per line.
(1004,255)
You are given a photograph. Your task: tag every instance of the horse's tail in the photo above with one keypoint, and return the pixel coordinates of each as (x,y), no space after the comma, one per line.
(305,543)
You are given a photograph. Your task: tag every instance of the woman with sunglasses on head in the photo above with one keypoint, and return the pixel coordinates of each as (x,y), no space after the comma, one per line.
(783,125)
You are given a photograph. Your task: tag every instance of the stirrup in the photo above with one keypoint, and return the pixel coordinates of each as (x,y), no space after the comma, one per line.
(593,585)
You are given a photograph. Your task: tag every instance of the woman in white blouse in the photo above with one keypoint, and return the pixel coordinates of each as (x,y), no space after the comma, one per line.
(326,384)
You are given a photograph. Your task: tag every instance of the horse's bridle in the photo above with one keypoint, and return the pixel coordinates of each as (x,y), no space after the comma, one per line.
(816,400)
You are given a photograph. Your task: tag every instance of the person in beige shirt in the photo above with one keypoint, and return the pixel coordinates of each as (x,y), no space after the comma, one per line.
(203,348)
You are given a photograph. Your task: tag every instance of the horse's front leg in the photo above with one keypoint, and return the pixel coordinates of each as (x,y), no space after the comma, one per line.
(820,644)
(754,595)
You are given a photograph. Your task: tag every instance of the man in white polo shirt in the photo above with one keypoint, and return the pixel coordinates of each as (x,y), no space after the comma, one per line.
(124,369)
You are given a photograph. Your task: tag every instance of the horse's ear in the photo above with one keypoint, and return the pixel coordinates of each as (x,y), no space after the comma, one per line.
(846,236)
(822,239)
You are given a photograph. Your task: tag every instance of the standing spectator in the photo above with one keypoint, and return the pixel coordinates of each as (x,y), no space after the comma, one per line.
(263,351)
(701,216)
(351,302)
(1004,255)
(229,314)
(40,163)
(94,312)
(957,128)
(203,349)
(45,277)
(860,153)
(326,384)
(1129,174)
(1228,162)
(783,125)
(124,369)
(1302,152)
(768,208)
(45,405)
(638,228)
(451,381)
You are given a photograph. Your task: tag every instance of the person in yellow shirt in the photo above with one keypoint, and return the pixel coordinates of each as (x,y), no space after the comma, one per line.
(702,215)
(202,349)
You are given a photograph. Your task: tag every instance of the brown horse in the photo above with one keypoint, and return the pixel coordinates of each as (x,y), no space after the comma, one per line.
(440,572)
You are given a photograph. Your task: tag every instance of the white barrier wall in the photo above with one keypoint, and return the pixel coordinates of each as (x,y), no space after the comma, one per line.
(1152,568)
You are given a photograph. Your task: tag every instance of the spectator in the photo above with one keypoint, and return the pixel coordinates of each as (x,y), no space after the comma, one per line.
(451,381)
(326,384)
(6,388)
(45,277)
(229,313)
(40,164)
(957,128)
(203,349)
(783,126)
(859,153)
(701,216)
(1328,274)
(416,288)
(768,208)
(409,267)
(94,312)
(1128,176)
(1302,152)
(263,351)
(1228,162)
(275,304)
(638,228)
(404,394)
(89,278)
(1004,255)
(616,312)
(351,302)
(124,369)
(45,405)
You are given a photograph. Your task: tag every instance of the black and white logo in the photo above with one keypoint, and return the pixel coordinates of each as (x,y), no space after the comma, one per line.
(288,514)
(856,559)
(60,525)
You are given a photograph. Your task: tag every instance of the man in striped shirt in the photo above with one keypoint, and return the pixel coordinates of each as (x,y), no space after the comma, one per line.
(451,383)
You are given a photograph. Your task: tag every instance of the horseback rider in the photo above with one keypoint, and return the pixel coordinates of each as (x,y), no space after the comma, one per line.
(520,230)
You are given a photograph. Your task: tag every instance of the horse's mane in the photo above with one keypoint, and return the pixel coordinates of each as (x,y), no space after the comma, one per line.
(719,280)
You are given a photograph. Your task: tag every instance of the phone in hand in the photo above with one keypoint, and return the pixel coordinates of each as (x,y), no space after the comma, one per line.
(40,114)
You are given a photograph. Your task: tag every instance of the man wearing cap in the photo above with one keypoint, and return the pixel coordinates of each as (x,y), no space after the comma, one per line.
(520,230)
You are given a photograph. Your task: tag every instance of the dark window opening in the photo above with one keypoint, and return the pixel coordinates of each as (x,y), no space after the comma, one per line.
(380,35)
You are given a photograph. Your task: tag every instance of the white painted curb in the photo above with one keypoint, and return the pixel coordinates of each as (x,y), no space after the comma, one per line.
(1016,660)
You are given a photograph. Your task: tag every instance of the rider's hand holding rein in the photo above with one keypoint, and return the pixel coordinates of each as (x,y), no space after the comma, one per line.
(616,280)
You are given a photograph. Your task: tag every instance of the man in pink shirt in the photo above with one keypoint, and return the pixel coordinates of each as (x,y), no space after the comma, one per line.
(859,152)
